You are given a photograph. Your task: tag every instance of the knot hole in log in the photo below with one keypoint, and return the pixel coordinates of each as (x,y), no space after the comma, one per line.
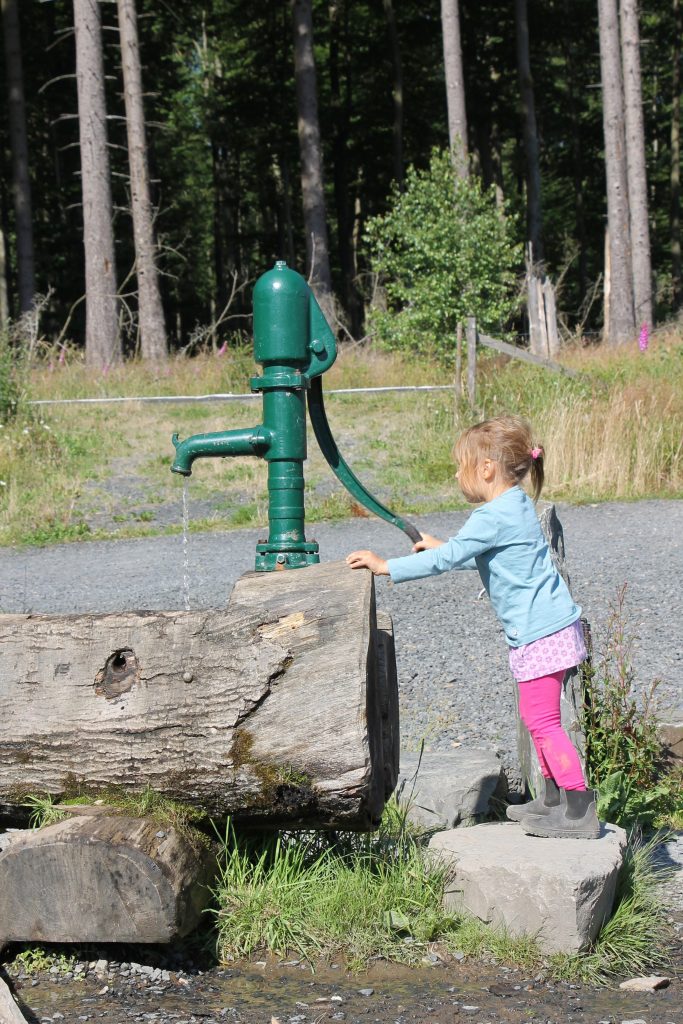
(120,674)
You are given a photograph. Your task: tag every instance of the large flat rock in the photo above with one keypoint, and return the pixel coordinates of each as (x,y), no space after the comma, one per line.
(445,788)
(559,890)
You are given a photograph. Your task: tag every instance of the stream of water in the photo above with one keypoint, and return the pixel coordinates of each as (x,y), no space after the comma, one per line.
(186,549)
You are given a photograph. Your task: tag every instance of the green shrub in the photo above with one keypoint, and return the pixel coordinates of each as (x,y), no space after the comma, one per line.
(444,251)
(11,382)
(624,756)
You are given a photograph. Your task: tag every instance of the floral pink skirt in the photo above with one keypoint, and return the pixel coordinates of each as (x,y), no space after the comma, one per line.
(554,653)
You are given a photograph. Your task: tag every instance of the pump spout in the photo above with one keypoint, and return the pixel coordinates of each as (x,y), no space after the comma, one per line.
(246,441)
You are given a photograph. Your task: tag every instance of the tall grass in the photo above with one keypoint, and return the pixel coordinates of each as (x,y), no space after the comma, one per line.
(381,896)
(614,433)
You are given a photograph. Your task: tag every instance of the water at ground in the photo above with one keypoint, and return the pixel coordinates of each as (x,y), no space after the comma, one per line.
(291,993)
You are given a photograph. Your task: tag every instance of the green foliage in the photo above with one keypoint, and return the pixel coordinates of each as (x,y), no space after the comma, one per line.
(358,895)
(624,756)
(37,959)
(147,803)
(11,379)
(443,251)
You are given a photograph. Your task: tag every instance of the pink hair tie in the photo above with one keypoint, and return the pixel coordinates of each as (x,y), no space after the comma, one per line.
(535,452)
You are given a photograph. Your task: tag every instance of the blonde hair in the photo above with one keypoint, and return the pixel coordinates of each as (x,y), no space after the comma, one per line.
(508,441)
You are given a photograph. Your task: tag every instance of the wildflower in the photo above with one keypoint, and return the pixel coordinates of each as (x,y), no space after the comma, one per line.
(25,430)
(223,349)
(3,483)
(644,338)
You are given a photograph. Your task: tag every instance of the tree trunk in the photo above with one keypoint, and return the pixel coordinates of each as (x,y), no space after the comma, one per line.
(102,339)
(675,208)
(621,313)
(273,711)
(315,225)
(533,168)
(635,163)
(396,90)
(455,85)
(4,298)
(19,146)
(153,342)
(102,877)
(343,198)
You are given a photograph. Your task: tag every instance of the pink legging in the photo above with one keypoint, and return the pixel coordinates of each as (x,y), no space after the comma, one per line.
(539,708)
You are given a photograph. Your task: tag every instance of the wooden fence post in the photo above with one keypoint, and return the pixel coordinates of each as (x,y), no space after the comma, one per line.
(471,359)
(458,362)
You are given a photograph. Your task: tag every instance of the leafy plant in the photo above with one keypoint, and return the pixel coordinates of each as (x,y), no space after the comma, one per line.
(11,379)
(444,251)
(37,959)
(625,761)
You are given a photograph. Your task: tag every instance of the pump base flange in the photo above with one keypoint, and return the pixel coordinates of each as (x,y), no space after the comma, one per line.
(270,558)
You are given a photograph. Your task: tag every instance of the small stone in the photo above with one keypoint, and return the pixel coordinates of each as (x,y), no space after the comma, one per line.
(470,1009)
(458,955)
(634,1020)
(652,983)
(161,835)
(103,991)
(366,991)
(188,677)
(336,999)
(101,966)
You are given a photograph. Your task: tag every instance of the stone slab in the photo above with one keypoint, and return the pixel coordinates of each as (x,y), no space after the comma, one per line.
(560,891)
(670,733)
(446,788)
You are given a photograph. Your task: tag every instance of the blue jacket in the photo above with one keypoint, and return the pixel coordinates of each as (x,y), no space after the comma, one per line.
(504,541)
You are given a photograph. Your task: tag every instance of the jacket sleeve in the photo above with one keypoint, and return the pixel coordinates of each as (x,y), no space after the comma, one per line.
(477,536)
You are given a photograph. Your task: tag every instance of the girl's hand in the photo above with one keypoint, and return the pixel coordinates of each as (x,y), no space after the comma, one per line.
(427,542)
(368,560)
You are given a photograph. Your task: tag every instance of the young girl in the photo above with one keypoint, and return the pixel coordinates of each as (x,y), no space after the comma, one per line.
(503,540)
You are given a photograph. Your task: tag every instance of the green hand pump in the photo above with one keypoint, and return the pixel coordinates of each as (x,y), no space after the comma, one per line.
(294,345)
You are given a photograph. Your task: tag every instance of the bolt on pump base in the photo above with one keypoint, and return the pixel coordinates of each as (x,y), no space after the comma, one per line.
(295,345)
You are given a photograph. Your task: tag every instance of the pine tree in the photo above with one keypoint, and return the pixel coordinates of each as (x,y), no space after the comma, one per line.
(153,343)
(635,162)
(20,161)
(102,339)
(621,324)
(455,85)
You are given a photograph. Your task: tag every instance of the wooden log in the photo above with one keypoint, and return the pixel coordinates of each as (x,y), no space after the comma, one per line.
(525,356)
(388,701)
(471,334)
(267,711)
(102,879)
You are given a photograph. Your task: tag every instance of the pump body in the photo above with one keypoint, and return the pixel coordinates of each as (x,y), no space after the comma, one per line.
(295,345)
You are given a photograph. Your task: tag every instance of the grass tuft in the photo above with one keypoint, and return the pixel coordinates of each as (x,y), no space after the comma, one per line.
(634,941)
(381,896)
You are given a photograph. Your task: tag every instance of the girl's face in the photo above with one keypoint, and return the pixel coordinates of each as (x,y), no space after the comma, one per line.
(469,481)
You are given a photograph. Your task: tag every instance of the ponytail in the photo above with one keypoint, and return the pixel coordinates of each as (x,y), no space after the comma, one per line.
(536,471)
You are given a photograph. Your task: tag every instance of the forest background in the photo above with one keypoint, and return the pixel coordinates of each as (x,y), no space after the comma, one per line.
(221,107)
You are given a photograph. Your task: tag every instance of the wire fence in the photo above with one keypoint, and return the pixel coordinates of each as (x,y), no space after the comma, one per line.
(228,397)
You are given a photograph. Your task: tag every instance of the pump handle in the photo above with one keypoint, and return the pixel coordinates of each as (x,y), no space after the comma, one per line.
(328,446)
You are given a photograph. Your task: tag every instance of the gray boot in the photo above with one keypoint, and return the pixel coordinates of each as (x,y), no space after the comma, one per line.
(541,805)
(573,818)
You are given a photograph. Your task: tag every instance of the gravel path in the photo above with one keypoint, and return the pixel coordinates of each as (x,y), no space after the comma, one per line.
(454,681)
